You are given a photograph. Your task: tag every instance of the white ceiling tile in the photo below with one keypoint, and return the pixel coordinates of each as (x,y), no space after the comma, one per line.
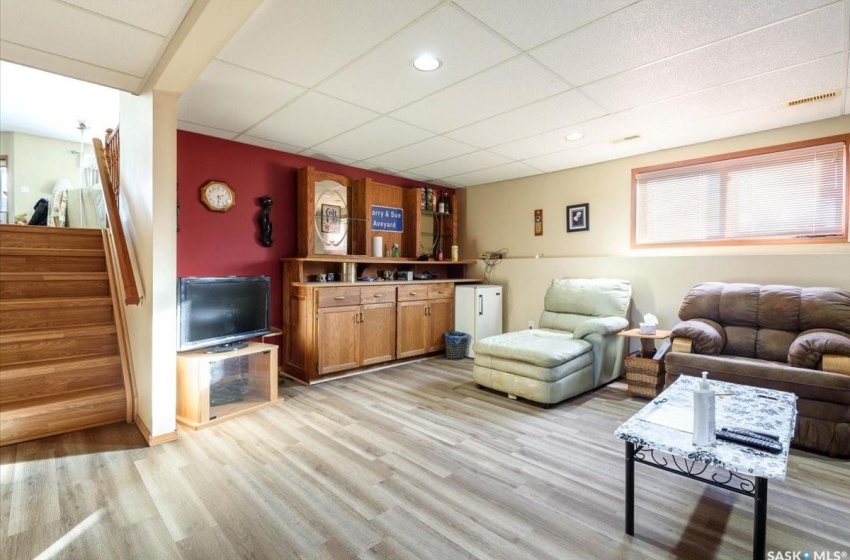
(590,154)
(263,143)
(60,65)
(511,84)
(385,79)
(304,42)
(206,130)
(311,119)
(603,129)
(233,98)
(744,122)
(422,153)
(327,157)
(373,138)
(158,16)
(652,30)
(563,109)
(376,168)
(513,170)
(804,80)
(413,176)
(461,164)
(79,35)
(813,35)
(528,24)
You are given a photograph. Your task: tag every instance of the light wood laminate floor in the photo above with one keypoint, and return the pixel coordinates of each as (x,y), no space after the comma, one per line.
(408,462)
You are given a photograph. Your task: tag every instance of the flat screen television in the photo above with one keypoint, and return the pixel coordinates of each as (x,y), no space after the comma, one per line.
(220,313)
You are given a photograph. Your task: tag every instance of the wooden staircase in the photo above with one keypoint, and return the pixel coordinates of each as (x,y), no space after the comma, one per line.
(61,362)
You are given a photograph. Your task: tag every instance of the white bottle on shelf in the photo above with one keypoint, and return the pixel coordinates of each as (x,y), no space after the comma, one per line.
(704,413)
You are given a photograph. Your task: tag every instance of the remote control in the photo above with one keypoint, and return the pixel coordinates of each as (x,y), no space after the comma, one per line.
(751,433)
(764,444)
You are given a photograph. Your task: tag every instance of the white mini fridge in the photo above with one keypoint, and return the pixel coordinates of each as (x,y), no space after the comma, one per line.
(478,312)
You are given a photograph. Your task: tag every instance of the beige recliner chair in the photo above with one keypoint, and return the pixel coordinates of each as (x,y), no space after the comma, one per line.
(575,349)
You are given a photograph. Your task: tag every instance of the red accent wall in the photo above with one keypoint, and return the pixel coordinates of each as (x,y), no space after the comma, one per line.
(227,244)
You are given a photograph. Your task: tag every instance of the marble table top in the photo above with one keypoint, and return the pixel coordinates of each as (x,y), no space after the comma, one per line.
(754,408)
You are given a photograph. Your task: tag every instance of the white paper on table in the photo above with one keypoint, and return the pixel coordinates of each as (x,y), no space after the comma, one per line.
(676,417)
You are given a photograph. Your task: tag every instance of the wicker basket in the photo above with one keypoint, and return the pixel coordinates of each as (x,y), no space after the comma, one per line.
(645,376)
(456,343)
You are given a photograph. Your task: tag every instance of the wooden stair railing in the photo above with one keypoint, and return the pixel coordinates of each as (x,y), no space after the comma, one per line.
(118,241)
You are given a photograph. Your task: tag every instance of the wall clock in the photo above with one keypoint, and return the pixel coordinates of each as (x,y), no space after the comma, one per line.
(218,196)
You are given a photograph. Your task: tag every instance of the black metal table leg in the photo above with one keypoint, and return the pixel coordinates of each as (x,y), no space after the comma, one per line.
(760,521)
(630,489)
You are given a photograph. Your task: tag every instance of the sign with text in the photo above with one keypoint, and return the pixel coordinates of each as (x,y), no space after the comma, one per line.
(387,218)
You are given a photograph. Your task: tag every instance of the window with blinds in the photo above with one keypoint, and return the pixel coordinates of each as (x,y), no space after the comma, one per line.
(779,194)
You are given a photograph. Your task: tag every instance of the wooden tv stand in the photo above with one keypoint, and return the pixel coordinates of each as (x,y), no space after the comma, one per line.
(252,370)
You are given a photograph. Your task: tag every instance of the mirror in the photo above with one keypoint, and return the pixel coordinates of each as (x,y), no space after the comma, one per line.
(331,218)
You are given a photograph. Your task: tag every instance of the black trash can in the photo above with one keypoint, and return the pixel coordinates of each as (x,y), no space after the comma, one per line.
(456,344)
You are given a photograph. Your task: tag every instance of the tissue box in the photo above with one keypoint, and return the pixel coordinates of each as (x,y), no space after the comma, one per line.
(646,329)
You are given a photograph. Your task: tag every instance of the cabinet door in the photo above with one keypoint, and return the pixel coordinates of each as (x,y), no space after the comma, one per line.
(441,319)
(338,339)
(412,328)
(377,333)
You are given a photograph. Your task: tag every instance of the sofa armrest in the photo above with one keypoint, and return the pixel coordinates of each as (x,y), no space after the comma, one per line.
(682,345)
(707,337)
(600,325)
(810,348)
(836,364)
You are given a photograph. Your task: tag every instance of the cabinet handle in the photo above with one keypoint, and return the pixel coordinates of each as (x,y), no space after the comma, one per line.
(378,295)
(339,298)
(412,294)
(361,316)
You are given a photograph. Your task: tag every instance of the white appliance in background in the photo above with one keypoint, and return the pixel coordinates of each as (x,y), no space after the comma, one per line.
(478,312)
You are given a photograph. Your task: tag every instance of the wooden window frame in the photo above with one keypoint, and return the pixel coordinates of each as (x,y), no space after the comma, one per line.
(844,138)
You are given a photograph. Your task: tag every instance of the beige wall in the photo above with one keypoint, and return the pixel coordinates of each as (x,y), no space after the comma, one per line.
(500,215)
(35,164)
(148,184)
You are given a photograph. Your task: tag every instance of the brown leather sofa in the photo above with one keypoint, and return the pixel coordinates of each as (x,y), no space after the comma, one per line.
(779,337)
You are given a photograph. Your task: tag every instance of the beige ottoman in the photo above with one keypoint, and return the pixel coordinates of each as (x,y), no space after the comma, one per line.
(541,365)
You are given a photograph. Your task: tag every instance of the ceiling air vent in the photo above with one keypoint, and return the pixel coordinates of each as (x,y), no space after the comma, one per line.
(625,139)
(813,98)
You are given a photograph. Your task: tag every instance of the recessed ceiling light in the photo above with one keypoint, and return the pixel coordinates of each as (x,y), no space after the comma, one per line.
(572,137)
(426,63)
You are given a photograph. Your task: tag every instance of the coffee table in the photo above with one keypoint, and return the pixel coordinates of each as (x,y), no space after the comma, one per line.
(652,439)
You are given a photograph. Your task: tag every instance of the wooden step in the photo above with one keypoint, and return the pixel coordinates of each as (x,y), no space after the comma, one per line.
(23,285)
(38,345)
(20,259)
(37,418)
(53,377)
(49,313)
(50,237)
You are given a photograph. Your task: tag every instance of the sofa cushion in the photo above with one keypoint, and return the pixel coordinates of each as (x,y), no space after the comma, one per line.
(597,297)
(741,341)
(739,305)
(779,308)
(702,302)
(808,349)
(540,347)
(773,345)
(708,337)
(825,308)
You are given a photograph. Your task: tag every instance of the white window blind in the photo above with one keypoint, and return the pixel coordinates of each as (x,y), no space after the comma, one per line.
(789,194)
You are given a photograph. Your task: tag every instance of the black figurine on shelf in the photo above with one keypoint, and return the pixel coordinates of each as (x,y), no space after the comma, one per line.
(265,222)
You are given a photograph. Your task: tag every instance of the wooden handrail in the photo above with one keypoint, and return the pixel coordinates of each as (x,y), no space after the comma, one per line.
(119,241)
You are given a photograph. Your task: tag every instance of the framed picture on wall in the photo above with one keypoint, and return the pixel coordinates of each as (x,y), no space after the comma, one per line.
(578,217)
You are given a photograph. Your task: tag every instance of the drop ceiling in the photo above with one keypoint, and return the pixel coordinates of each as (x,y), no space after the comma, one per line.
(333,79)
